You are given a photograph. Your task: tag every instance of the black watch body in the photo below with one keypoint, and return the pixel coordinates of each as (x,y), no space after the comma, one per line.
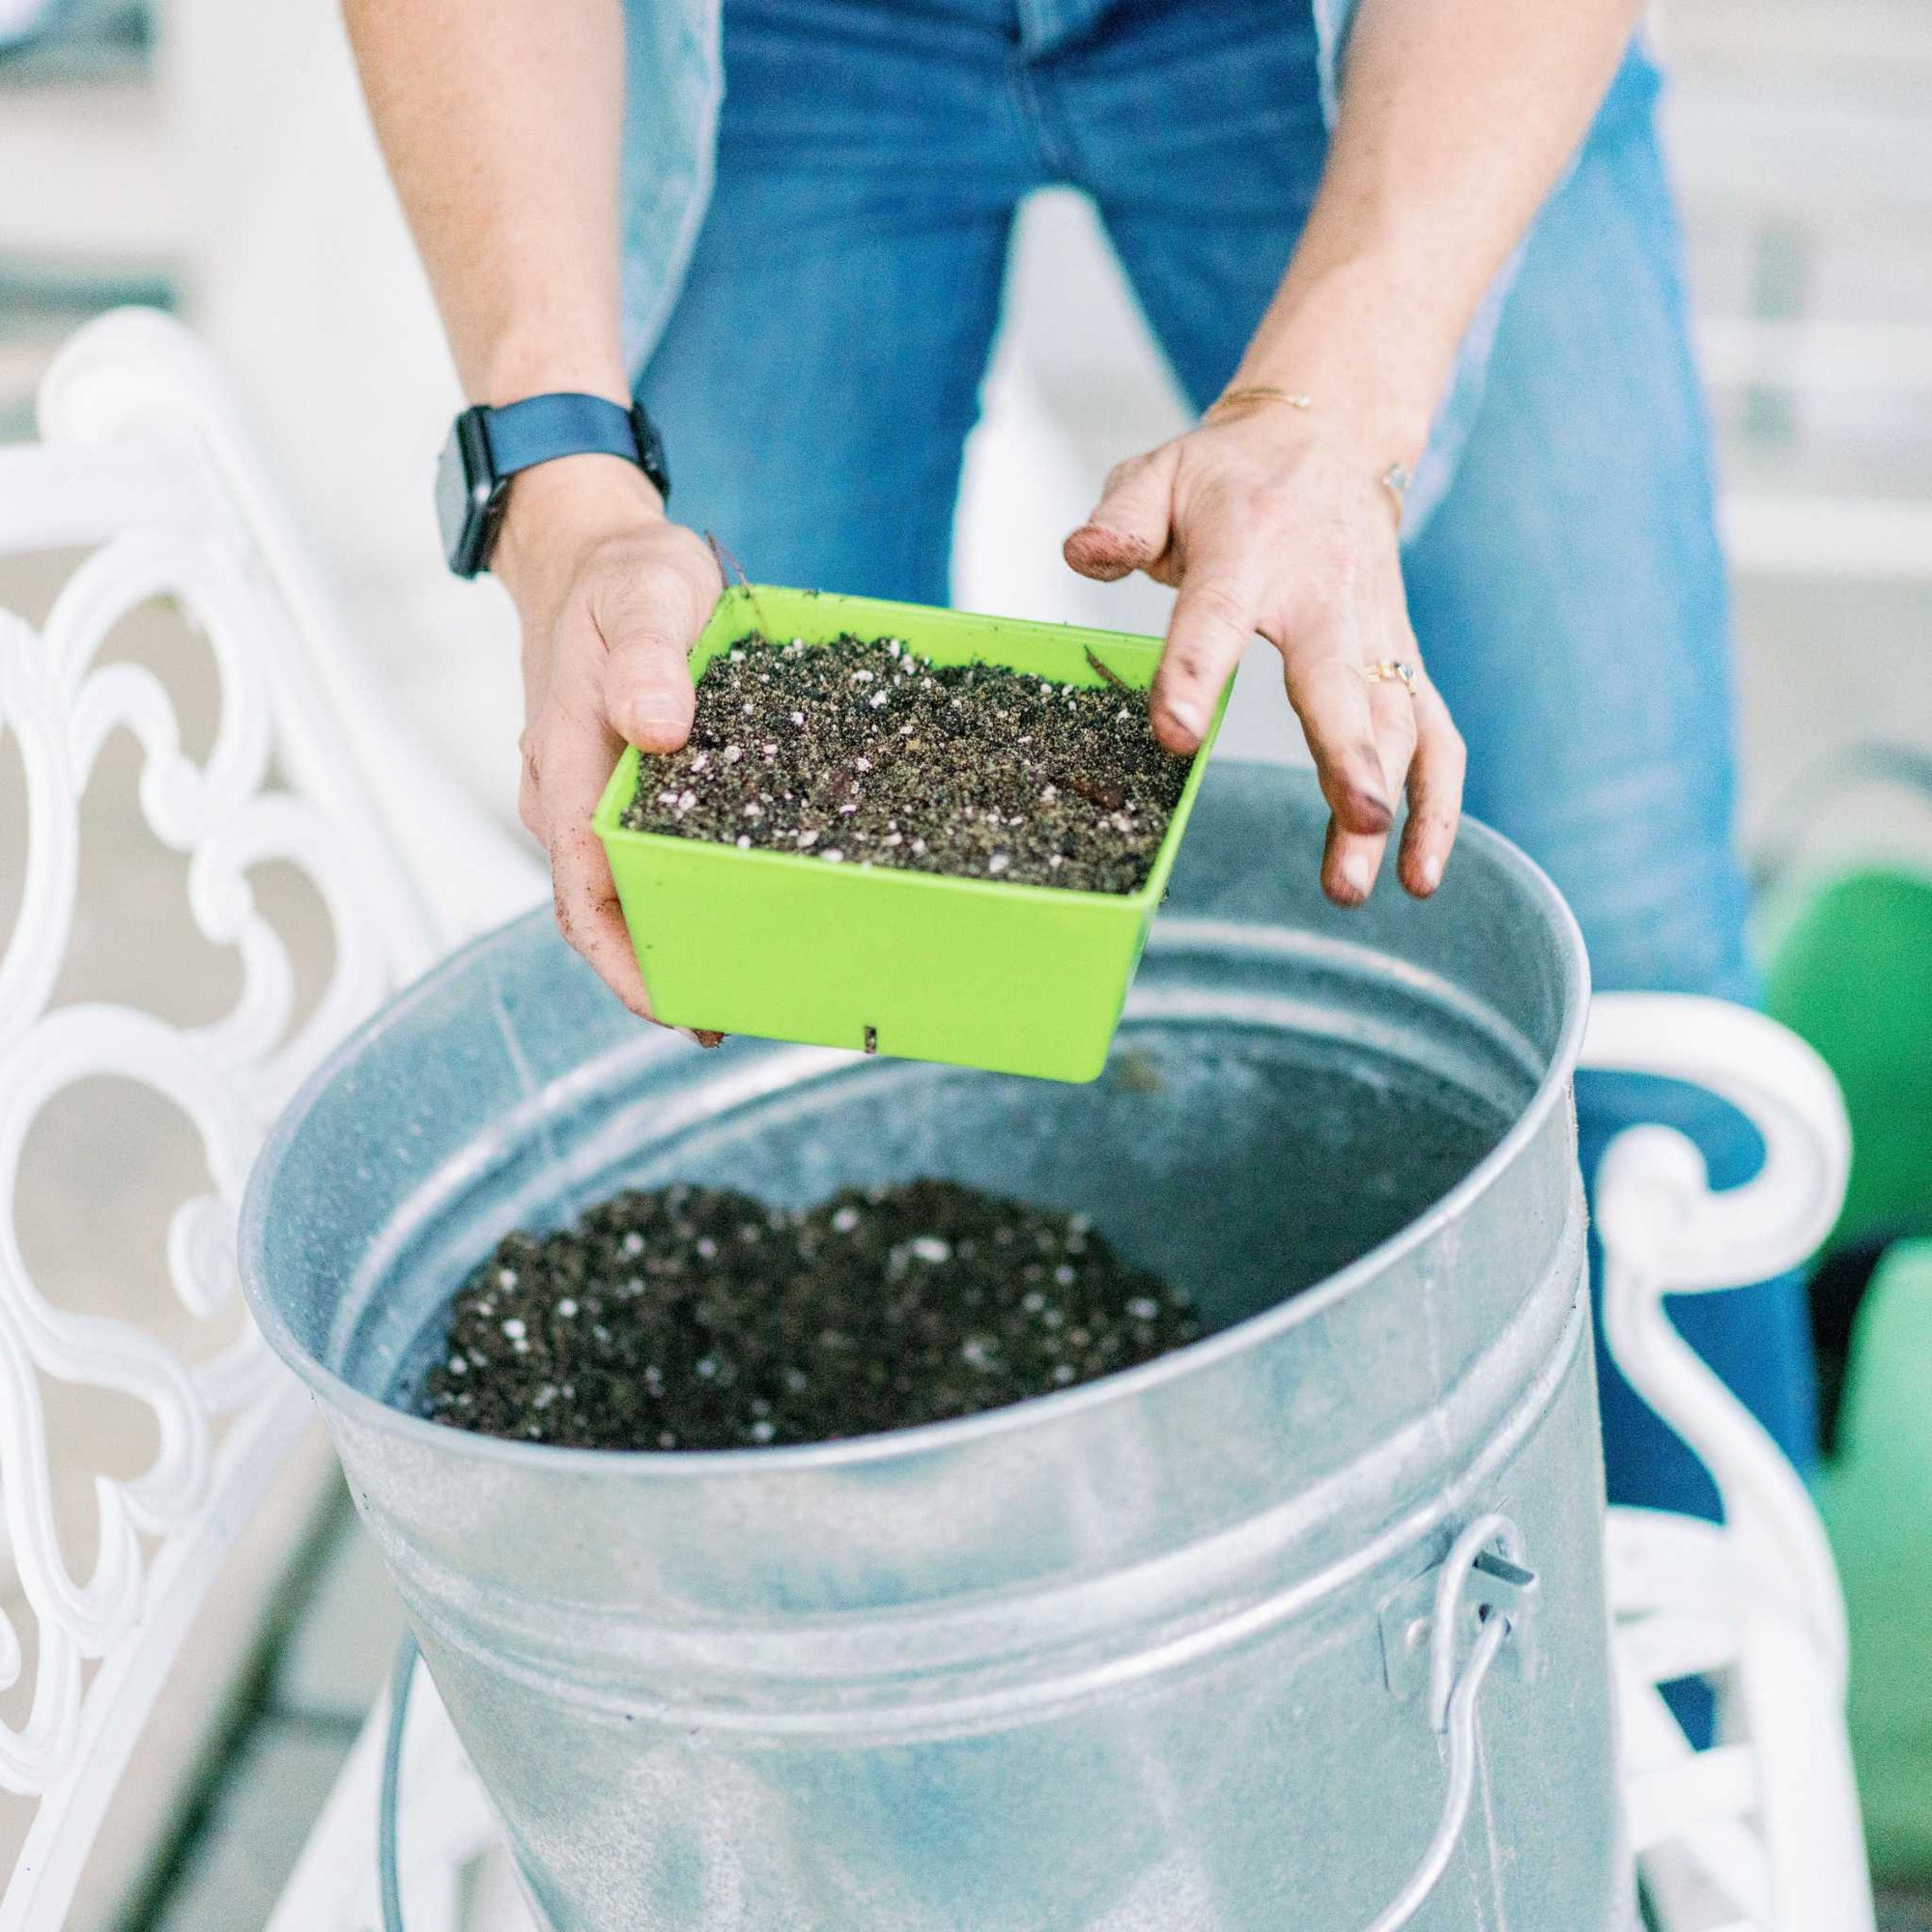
(488,446)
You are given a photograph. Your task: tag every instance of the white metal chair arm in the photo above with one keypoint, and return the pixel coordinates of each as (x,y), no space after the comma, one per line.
(1665,1231)
(1766,1820)
(1694,1237)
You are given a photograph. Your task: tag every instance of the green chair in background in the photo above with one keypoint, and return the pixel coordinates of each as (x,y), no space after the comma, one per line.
(1849,968)
(1875,1495)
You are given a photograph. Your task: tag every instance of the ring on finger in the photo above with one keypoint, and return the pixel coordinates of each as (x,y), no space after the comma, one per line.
(1391,671)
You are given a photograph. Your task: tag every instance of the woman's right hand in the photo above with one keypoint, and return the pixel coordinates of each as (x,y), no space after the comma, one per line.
(612,596)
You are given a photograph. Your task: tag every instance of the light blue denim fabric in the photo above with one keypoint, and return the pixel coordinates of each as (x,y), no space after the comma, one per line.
(819,373)
(674,84)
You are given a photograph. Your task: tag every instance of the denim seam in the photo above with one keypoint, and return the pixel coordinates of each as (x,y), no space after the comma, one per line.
(1054,154)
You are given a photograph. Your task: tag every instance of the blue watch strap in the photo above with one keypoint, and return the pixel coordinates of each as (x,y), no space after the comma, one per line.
(561,424)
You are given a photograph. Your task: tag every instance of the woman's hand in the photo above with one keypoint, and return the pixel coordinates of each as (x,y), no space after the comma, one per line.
(1265,519)
(612,595)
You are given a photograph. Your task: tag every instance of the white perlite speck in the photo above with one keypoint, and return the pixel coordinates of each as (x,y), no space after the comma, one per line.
(846,1220)
(930,1248)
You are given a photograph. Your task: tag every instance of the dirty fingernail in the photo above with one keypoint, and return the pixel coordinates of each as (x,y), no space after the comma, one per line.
(1185,714)
(1355,875)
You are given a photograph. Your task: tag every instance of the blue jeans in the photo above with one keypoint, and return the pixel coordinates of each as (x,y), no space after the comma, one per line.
(820,372)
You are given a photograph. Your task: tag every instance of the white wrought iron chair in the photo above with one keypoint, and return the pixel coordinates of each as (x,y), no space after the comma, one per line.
(146,467)
(145,463)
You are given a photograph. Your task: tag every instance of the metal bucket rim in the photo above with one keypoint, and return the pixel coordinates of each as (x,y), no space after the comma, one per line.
(341,1395)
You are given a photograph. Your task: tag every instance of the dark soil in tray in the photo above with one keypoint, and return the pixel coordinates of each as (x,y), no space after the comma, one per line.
(696,1318)
(859,752)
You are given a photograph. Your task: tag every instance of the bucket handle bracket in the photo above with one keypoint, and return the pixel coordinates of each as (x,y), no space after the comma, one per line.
(1496,1581)
(1483,1583)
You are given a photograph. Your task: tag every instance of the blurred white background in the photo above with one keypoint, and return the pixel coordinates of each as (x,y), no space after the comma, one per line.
(213,156)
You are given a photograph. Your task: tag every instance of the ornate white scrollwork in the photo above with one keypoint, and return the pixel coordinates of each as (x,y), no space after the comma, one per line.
(146,464)
(1766,1819)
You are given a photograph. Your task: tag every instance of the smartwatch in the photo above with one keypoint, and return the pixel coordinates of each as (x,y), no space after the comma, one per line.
(487,447)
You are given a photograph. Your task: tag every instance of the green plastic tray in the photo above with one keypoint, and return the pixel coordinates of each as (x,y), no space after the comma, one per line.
(973,972)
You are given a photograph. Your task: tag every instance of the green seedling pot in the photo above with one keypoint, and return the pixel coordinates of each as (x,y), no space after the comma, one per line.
(973,972)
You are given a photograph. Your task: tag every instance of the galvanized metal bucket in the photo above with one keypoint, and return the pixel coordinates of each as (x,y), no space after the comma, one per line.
(1302,1627)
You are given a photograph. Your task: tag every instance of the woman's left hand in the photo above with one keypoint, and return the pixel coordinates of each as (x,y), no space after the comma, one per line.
(1266,519)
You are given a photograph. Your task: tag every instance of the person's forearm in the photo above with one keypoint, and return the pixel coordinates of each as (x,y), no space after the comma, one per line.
(502,123)
(1457,117)
(501,120)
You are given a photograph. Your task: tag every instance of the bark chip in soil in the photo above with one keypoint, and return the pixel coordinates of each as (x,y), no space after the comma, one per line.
(694,1318)
(859,753)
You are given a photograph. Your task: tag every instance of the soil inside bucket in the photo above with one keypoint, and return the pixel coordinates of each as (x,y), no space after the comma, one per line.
(693,1318)
(859,753)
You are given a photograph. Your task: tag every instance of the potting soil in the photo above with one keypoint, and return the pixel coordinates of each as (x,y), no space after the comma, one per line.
(859,753)
(693,1318)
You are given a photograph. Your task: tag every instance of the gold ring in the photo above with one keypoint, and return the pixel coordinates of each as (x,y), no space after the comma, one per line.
(1391,671)
(1395,479)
